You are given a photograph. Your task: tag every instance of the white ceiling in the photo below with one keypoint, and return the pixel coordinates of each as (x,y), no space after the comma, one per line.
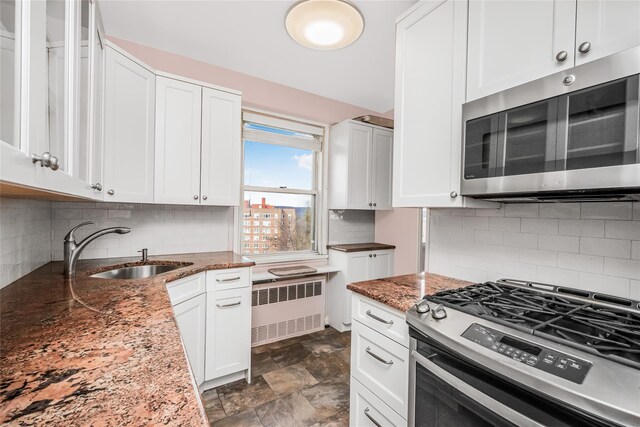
(249,37)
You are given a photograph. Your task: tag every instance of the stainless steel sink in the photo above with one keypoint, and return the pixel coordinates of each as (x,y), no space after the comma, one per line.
(136,271)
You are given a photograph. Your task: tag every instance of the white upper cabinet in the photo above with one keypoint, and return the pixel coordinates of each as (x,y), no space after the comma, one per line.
(221,148)
(177,146)
(381,172)
(605,27)
(129,130)
(360,166)
(430,76)
(514,42)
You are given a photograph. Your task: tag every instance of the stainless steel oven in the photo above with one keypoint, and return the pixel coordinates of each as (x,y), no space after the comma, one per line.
(572,134)
(447,389)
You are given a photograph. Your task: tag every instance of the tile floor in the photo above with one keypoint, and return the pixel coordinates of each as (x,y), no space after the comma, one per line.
(301,381)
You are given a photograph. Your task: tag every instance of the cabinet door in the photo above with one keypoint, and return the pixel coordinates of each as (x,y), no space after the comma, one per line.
(221,148)
(610,26)
(381,173)
(128,135)
(359,266)
(513,42)
(177,147)
(228,332)
(359,179)
(191,320)
(381,264)
(430,70)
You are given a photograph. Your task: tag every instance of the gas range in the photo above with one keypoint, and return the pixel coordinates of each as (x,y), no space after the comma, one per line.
(579,350)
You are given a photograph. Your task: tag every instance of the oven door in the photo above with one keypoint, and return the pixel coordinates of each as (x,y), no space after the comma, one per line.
(447,390)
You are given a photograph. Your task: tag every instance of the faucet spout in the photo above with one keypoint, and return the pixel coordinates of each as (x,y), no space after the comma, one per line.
(73,249)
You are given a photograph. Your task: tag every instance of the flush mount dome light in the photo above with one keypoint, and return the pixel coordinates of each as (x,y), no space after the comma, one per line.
(324,24)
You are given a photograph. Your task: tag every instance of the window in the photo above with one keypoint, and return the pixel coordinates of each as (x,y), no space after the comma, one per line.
(281,167)
(247,231)
(246,223)
(256,230)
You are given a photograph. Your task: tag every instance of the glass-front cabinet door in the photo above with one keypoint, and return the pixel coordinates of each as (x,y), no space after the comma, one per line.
(599,126)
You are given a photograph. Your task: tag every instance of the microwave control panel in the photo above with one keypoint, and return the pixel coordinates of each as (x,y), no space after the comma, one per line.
(552,361)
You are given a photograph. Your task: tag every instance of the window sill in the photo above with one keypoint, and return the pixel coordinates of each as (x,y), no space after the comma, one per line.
(274,259)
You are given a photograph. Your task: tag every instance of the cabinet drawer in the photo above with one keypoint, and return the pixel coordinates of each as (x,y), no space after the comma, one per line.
(228,279)
(381,318)
(367,410)
(186,288)
(382,365)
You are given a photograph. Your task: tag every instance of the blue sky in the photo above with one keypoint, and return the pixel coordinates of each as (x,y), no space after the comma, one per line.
(274,166)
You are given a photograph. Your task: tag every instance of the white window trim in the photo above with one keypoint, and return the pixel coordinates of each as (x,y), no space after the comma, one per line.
(322,213)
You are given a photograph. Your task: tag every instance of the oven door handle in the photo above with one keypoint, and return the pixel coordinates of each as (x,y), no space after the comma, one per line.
(495,406)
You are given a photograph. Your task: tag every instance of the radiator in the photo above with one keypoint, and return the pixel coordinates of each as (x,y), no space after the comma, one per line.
(285,309)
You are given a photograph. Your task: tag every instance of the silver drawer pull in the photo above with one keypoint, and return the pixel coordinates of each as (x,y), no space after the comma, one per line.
(378,358)
(233,304)
(231,279)
(379,319)
(373,420)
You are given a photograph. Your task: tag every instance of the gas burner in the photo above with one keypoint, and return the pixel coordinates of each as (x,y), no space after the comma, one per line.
(600,324)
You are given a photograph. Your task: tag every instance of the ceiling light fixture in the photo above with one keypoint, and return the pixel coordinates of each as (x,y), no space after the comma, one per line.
(324,24)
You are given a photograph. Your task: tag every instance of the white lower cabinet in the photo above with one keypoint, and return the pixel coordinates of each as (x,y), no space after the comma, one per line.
(367,410)
(354,267)
(190,316)
(189,303)
(213,313)
(228,344)
(379,365)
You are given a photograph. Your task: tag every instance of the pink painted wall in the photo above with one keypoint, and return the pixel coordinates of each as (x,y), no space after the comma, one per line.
(400,227)
(256,92)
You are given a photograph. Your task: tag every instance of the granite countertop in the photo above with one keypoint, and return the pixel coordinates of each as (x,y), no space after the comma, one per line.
(93,351)
(402,292)
(360,247)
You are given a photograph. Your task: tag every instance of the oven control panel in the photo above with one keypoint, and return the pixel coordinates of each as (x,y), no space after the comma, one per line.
(545,359)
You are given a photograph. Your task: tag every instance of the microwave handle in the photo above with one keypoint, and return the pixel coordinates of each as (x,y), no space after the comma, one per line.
(502,410)
(497,148)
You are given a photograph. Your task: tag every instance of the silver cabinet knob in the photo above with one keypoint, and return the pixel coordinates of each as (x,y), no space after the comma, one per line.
(453,194)
(370,256)
(562,56)
(584,47)
(375,255)
(568,80)
(195,197)
(111,192)
(374,204)
(97,186)
(370,204)
(204,197)
(46,160)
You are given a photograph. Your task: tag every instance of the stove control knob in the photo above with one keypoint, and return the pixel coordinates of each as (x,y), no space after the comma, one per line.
(439,312)
(422,306)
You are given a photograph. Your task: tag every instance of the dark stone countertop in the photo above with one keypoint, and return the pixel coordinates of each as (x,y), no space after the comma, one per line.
(402,292)
(360,247)
(102,352)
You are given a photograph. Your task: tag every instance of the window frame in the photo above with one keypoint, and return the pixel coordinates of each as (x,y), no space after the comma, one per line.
(318,191)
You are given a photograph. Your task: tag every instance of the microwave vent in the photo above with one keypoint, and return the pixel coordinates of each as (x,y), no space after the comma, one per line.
(376,120)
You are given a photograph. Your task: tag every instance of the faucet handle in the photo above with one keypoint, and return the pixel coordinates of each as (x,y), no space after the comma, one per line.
(70,236)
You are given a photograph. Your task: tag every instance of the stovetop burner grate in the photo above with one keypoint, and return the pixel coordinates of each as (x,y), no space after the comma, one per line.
(608,326)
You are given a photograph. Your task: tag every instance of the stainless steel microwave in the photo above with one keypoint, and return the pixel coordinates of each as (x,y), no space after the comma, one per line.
(573,135)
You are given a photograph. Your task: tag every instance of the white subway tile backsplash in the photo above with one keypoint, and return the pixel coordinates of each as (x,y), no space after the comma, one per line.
(579,262)
(504,224)
(560,210)
(520,240)
(539,226)
(559,243)
(605,247)
(622,230)
(584,245)
(351,226)
(610,210)
(622,267)
(584,227)
(521,210)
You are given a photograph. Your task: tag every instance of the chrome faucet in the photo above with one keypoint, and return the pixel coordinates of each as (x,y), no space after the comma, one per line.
(73,249)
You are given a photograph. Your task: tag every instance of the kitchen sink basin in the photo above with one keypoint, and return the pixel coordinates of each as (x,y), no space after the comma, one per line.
(136,271)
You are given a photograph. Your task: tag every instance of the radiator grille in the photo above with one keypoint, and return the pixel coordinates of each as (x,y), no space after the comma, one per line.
(283,310)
